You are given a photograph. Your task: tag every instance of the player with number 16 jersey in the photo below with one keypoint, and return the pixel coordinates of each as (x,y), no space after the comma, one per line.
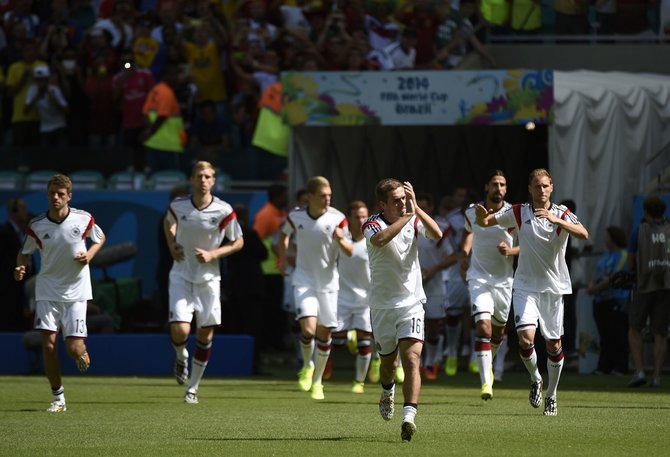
(396,294)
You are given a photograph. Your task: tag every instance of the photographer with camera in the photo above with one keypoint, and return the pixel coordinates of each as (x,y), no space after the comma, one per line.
(649,253)
(52,106)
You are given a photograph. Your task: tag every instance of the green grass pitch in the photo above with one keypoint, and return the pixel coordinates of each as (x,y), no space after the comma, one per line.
(267,416)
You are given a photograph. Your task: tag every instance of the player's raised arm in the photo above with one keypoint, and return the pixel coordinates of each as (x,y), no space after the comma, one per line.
(484,217)
(433,230)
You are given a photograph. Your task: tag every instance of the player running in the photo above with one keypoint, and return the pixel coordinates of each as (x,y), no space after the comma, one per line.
(353,309)
(320,233)
(488,259)
(396,294)
(63,285)
(541,278)
(199,229)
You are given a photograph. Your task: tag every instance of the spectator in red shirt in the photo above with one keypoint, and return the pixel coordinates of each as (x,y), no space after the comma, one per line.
(131,86)
(103,119)
(423,18)
(96,48)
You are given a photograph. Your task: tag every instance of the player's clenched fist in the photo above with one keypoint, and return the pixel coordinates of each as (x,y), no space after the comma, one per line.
(19,272)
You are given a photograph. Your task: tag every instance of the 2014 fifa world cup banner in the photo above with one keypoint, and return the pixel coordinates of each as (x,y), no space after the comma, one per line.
(487,97)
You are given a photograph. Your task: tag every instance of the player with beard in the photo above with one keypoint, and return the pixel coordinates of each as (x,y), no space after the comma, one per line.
(488,260)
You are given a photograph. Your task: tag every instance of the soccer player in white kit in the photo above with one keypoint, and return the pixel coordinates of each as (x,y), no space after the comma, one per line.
(63,285)
(199,229)
(488,259)
(434,258)
(396,294)
(458,301)
(288,301)
(541,278)
(353,309)
(320,233)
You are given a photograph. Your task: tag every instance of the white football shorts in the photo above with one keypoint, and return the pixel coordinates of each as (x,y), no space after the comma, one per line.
(457,295)
(390,325)
(353,317)
(490,302)
(545,308)
(322,305)
(70,317)
(188,298)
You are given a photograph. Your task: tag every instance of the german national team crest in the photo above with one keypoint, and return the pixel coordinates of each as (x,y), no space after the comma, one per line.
(213,220)
(517,319)
(76,232)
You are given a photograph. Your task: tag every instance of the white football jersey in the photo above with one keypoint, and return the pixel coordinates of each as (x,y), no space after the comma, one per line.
(487,265)
(61,278)
(456,221)
(204,228)
(541,266)
(394,268)
(354,274)
(316,262)
(431,253)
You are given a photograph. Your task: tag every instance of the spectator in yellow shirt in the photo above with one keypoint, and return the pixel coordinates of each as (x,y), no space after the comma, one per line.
(25,124)
(203,54)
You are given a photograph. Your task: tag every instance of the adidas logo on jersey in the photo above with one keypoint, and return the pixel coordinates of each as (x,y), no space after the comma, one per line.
(47,237)
(300,227)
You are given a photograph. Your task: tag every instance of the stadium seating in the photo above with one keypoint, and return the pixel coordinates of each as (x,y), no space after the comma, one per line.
(223,181)
(11,180)
(87,180)
(166,180)
(37,180)
(126,180)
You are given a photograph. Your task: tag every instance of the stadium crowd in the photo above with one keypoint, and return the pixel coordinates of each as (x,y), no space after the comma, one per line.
(77,73)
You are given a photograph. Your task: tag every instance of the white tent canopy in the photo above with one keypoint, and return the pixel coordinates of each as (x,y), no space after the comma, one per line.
(609,139)
(606,143)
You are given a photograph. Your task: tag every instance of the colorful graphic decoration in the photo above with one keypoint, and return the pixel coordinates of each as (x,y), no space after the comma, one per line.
(490,97)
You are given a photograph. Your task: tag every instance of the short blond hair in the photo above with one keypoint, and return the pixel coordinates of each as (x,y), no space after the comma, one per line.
(537,173)
(62,181)
(202,165)
(315,183)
